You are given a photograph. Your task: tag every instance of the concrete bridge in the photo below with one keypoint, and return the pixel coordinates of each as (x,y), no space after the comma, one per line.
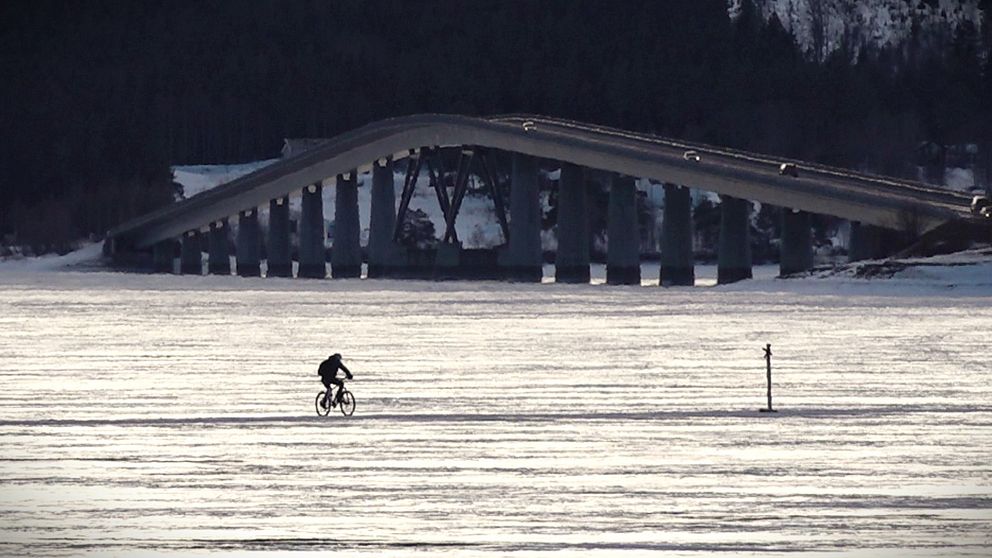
(870,202)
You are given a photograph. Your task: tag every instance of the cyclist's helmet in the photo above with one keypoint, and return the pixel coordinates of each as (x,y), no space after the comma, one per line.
(336,356)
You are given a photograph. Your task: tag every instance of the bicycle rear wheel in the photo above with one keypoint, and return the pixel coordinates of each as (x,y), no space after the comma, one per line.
(322,411)
(347,403)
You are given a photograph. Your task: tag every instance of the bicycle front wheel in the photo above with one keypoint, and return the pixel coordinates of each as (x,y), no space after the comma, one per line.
(347,403)
(322,410)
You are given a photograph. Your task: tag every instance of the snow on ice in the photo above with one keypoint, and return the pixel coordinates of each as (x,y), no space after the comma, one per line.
(167,414)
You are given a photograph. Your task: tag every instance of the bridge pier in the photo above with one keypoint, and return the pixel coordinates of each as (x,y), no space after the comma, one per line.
(279,261)
(734,256)
(572,257)
(248,244)
(346,252)
(163,254)
(219,257)
(447,260)
(313,260)
(522,261)
(796,247)
(677,263)
(191,255)
(623,256)
(384,254)
(865,242)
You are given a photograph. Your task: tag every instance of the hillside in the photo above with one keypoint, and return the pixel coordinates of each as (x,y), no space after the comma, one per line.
(822,26)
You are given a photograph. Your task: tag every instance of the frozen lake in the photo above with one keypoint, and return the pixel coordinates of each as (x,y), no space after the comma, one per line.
(144,415)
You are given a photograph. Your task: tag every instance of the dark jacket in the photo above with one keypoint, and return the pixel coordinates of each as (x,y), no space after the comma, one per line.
(329,369)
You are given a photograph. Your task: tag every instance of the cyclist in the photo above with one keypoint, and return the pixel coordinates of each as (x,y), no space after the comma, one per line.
(328,372)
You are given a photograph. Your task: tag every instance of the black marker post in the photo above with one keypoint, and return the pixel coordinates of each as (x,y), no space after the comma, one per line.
(768,367)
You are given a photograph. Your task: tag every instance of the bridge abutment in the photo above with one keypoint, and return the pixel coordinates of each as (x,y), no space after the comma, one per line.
(313,260)
(522,261)
(346,252)
(796,247)
(677,263)
(572,256)
(248,244)
(219,256)
(623,257)
(279,262)
(734,251)
(191,255)
(383,254)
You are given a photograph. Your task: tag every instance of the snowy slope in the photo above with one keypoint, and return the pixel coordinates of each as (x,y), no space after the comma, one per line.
(820,26)
(199,178)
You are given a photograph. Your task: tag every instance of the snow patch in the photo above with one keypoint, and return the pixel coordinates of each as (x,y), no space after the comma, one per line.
(200,178)
(89,255)
(961,180)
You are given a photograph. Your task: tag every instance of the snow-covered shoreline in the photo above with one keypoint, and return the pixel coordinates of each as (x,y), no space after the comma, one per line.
(967,273)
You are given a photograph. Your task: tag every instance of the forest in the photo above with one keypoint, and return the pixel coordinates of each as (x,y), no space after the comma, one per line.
(99,98)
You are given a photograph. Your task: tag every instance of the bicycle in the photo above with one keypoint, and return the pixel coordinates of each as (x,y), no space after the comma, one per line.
(344,398)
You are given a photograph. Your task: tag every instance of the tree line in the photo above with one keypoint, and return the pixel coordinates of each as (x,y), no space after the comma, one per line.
(100,97)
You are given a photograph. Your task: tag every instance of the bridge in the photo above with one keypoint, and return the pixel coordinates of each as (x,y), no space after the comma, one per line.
(583,150)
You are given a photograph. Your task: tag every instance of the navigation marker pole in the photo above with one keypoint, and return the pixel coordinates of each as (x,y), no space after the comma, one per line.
(768,367)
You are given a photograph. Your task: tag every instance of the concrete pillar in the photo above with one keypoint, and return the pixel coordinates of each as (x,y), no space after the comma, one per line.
(572,258)
(248,244)
(796,252)
(623,256)
(522,260)
(313,261)
(191,257)
(734,257)
(677,261)
(865,242)
(162,255)
(219,257)
(346,253)
(447,260)
(384,255)
(277,249)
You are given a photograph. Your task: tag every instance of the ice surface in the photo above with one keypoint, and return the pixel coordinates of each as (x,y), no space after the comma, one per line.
(149,415)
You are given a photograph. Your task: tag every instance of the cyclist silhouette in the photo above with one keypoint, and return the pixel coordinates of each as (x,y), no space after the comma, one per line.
(328,372)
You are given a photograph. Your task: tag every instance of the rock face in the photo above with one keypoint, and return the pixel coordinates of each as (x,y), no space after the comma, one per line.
(822,26)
